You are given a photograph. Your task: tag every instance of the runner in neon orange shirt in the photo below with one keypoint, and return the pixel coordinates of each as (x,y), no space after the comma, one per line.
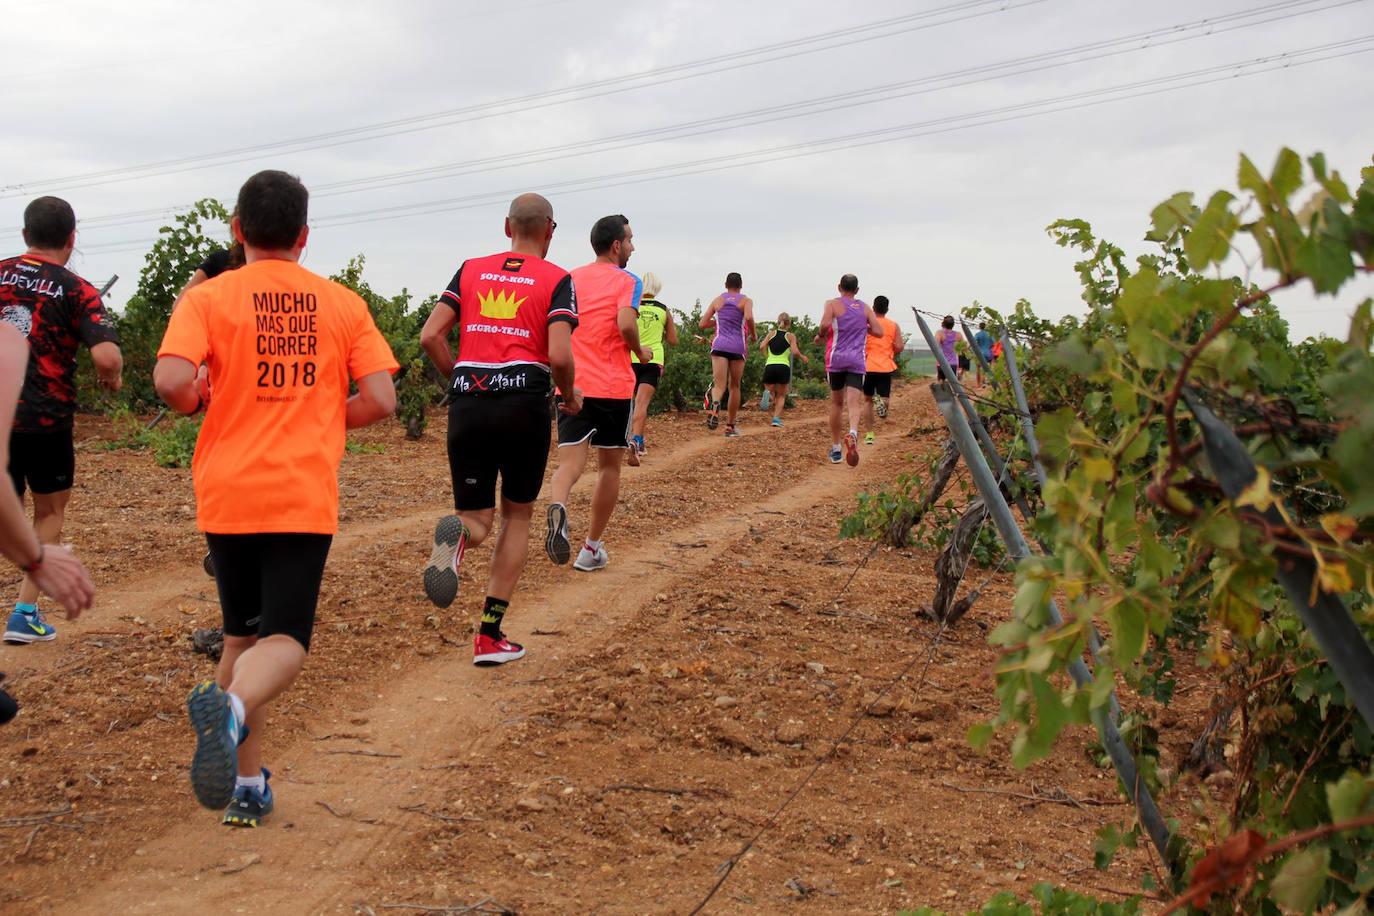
(607,332)
(279,346)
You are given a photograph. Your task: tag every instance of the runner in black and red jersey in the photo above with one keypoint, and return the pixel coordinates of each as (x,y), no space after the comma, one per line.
(515,314)
(57,311)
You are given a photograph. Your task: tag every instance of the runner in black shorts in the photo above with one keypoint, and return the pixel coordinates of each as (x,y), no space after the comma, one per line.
(602,423)
(498,411)
(269,583)
(778,347)
(57,312)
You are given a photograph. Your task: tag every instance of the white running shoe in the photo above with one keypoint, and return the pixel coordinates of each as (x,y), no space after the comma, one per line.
(590,560)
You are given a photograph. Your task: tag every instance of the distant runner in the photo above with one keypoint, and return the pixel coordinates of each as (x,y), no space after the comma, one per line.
(515,314)
(56,311)
(608,332)
(880,362)
(281,345)
(946,337)
(844,322)
(778,348)
(731,314)
(656,328)
(983,341)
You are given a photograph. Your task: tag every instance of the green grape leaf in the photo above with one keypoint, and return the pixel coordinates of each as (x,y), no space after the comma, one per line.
(1237,614)
(1210,240)
(1250,179)
(1128,623)
(1300,880)
(1168,216)
(1346,797)
(1326,261)
(979,735)
(1287,175)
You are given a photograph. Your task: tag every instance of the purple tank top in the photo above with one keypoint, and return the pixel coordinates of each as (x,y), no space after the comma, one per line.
(947,345)
(730,325)
(844,351)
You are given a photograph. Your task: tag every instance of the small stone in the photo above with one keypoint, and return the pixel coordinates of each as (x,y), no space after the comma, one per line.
(530,803)
(725,702)
(816,667)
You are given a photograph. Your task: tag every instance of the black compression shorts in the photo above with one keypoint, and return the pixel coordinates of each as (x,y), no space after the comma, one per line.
(726,354)
(777,374)
(506,434)
(647,374)
(604,421)
(841,380)
(879,383)
(44,459)
(269,584)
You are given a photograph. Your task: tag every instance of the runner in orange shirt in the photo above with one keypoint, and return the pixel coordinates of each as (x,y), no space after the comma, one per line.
(607,332)
(279,346)
(880,355)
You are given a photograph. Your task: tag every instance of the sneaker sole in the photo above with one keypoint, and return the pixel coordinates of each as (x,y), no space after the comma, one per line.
(712,421)
(441,581)
(216,761)
(851,451)
(880,407)
(556,543)
(19,638)
(582,568)
(496,658)
(632,459)
(209,565)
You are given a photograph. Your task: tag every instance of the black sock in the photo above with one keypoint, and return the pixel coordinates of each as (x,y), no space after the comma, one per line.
(492,612)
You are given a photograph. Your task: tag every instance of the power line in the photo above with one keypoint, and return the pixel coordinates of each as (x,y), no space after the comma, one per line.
(885,28)
(987,117)
(1020,66)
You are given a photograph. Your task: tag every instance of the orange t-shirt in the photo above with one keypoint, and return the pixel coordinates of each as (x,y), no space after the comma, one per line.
(599,352)
(879,351)
(281,344)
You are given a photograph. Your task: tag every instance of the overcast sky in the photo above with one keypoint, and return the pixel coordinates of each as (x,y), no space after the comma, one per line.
(922,146)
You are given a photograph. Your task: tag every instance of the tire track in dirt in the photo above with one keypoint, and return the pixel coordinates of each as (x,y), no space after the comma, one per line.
(343,790)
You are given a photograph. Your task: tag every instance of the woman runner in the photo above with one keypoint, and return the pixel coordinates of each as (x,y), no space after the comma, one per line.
(778,349)
(731,314)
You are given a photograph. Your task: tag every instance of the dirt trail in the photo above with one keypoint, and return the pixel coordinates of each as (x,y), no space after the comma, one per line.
(404,773)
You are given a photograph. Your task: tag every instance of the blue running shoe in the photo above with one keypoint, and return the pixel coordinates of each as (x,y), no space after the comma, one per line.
(26,626)
(249,806)
(215,765)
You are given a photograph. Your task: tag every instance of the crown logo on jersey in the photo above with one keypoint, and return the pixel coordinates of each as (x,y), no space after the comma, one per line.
(499,305)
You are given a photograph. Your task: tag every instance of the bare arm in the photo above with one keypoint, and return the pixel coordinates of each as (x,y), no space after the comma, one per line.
(670,330)
(763,344)
(434,337)
(53,568)
(562,367)
(375,400)
(796,350)
(180,384)
(109,365)
(827,319)
(627,320)
(875,327)
(708,320)
(747,307)
(898,344)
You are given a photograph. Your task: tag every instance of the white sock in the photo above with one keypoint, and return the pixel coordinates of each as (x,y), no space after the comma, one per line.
(254,782)
(237,706)
(854,433)
(594,546)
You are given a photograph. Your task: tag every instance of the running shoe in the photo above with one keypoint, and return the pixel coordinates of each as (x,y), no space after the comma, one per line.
(441,573)
(589,560)
(637,443)
(869,440)
(777,421)
(851,449)
(209,564)
(556,543)
(713,418)
(836,454)
(631,456)
(27,627)
(488,651)
(879,405)
(731,432)
(249,805)
(706,398)
(218,733)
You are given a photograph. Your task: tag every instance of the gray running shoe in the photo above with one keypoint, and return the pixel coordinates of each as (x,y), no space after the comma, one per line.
(441,573)
(836,454)
(556,543)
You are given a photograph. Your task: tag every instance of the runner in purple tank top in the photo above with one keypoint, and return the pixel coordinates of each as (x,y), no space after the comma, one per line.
(845,323)
(731,314)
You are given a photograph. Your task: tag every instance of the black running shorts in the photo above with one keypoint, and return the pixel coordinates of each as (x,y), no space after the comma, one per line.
(604,421)
(777,374)
(506,434)
(269,583)
(647,374)
(879,383)
(44,459)
(726,354)
(842,380)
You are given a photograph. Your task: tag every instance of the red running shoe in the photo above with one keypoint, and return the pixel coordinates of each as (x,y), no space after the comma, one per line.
(488,651)
(851,449)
